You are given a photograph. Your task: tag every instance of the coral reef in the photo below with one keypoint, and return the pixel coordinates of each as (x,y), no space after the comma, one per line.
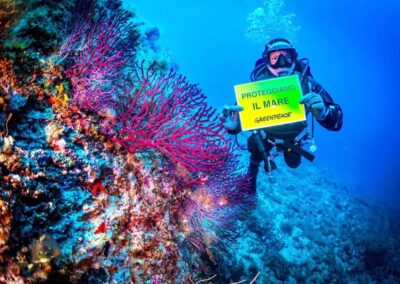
(37,32)
(100,154)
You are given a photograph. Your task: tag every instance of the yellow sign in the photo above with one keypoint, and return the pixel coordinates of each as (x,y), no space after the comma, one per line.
(270,102)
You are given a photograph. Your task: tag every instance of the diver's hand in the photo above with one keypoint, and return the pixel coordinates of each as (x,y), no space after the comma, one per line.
(230,116)
(315,104)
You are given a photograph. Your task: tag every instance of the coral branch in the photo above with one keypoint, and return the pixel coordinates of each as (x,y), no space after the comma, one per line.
(99,52)
(254,279)
(164,111)
(202,280)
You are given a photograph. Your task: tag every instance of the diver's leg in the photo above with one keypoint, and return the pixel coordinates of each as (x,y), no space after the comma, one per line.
(256,158)
(252,171)
(292,159)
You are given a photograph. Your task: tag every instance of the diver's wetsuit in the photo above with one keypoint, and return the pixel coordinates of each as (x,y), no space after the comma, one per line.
(333,121)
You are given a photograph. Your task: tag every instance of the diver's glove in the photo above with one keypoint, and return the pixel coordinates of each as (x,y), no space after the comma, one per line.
(230,116)
(315,104)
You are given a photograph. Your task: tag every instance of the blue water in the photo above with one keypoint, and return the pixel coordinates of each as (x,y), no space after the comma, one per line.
(354,51)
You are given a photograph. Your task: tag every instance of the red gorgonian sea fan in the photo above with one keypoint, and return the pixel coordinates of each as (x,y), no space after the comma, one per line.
(146,108)
(162,110)
(95,55)
(216,204)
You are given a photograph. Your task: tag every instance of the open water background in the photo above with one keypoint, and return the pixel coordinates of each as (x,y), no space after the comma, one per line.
(353,47)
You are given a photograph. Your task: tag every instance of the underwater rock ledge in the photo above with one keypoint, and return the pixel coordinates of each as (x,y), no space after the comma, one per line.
(87,198)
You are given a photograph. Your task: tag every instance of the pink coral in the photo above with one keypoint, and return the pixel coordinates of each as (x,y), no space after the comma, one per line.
(216,203)
(98,52)
(165,112)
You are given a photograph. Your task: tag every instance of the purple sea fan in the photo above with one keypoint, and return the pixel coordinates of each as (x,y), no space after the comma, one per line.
(95,55)
(215,206)
(164,111)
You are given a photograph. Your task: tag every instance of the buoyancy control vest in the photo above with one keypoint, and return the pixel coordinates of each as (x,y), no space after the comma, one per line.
(290,131)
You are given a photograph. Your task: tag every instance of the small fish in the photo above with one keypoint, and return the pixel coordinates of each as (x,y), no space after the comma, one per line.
(101,229)
(96,186)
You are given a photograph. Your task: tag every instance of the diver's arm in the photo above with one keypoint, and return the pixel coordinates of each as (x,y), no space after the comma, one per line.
(334,115)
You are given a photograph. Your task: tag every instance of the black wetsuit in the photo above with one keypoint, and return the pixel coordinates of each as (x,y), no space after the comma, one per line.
(333,121)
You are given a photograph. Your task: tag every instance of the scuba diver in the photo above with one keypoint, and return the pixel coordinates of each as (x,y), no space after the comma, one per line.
(279,59)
